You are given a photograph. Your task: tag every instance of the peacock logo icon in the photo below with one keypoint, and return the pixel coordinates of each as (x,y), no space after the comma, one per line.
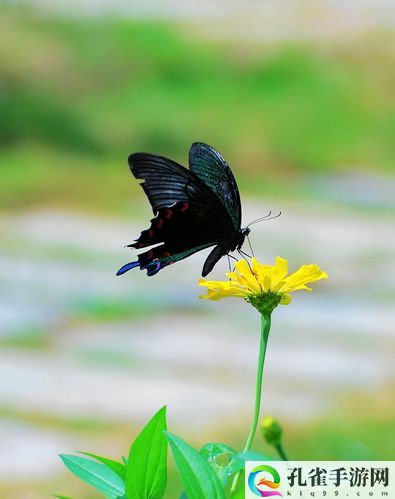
(263,479)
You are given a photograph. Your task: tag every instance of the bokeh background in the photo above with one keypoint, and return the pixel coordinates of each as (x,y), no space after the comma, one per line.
(299,97)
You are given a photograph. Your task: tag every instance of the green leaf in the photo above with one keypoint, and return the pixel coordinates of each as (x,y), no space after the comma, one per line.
(197,476)
(118,468)
(221,459)
(213,451)
(225,461)
(240,491)
(100,476)
(253,456)
(146,474)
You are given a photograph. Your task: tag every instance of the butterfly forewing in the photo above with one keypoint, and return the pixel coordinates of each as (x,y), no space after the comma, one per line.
(166,182)
(210,166)
(164,179)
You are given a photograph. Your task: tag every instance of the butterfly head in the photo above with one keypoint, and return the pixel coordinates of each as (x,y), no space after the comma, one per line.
(242,235)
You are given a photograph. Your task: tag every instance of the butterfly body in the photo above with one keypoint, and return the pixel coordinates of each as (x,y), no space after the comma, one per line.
(193,209)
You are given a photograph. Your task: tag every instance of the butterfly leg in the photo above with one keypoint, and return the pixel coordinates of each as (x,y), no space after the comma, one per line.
(249,244)
(244,254)
(229,257)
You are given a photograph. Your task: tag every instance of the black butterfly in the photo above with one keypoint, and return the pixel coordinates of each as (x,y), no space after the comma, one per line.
(194,209)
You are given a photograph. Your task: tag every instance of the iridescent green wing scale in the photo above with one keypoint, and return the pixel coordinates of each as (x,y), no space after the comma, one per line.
(210,166)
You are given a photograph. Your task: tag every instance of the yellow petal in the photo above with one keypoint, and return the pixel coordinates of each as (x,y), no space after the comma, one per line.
(299,279)
(245,277)
(216,290)
(263,274)
(271,275)
(281,267)
(280,270)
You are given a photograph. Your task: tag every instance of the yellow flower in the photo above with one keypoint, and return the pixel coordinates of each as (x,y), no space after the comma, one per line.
(264,286)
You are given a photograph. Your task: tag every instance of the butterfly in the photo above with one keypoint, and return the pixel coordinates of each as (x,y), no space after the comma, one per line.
(194,209)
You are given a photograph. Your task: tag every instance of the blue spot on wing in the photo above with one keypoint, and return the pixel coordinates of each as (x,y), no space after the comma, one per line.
(127,267)
(153,268)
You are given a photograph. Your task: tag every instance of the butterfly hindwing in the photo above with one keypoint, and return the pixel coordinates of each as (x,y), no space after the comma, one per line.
(182,232)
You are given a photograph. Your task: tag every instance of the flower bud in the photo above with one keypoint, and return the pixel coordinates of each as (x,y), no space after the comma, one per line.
(271,431)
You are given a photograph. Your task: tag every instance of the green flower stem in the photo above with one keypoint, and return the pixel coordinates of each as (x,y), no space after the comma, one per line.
(265,329)
(281,452)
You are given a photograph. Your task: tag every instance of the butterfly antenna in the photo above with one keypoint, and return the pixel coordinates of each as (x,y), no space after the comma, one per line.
(266,217)
(259,219)
(276,216)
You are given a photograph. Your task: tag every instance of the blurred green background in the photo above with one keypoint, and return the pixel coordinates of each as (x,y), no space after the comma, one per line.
(300,101)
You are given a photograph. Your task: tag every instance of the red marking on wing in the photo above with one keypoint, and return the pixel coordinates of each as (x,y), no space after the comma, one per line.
(159,222)
(168,213)
(184,207)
